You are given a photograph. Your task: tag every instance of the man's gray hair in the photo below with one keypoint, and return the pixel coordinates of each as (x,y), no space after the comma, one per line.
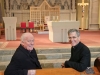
(74,30)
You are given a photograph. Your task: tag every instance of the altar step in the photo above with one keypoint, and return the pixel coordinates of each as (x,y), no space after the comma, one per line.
(43,32)
(49,58)
(49,63)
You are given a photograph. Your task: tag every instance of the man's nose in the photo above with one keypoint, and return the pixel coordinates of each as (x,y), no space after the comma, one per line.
(32,42)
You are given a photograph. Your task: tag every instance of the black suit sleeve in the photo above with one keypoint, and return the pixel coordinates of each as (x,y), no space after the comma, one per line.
(15,68)
(37,60)
(82,65)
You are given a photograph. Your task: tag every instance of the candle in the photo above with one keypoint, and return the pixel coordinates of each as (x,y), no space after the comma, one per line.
(53,17)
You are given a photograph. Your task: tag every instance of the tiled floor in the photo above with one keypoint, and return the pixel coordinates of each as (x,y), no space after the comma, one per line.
(88,37)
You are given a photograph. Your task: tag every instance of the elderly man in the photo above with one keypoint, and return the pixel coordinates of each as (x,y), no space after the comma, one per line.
(80,54)
(25,60)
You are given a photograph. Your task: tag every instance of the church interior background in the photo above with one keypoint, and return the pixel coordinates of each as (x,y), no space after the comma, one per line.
(69,10)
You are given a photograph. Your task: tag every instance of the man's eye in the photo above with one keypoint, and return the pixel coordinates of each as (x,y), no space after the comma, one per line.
(31,41)
(72,37)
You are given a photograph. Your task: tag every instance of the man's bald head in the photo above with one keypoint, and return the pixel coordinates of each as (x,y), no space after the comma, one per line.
(27,41)
(25,35)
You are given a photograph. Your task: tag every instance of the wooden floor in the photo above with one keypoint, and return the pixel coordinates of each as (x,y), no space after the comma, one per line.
(89,37)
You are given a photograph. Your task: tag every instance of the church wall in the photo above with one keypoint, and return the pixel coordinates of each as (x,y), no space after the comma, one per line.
(91,18)
(68,15)
(1,13)
(94,15)
(2,7)
(22,18)
(20,9)
(91,14)
(99,15)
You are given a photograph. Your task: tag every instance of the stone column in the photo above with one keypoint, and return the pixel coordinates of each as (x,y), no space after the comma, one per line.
(18,6)
(90,4)
(86,16)
(99,14)
(94,15)
(7,8)
(73,4)
(1,20)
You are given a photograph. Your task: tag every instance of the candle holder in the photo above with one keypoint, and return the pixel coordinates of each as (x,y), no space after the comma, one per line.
(57,19)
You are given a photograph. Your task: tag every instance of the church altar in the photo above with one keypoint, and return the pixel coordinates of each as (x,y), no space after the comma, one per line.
(58,30)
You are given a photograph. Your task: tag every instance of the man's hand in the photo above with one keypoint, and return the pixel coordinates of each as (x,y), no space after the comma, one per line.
(63,66)
(31,72)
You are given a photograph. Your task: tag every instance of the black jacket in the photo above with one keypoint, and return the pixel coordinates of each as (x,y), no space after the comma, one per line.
(80,58)
(22,61)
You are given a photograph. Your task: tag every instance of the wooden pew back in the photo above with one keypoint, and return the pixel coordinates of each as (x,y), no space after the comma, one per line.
(1,72)
(97,63)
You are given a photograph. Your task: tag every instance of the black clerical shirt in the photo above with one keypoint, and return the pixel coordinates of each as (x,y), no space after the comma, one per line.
(80,57)
(22,61)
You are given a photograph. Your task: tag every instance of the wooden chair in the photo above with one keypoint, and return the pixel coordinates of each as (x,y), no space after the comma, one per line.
(23,26)
(31,26)
(45,26)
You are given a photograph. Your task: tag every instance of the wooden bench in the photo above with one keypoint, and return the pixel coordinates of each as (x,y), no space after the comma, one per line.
(61,71)
(1,72)
(97,63)
(66,71)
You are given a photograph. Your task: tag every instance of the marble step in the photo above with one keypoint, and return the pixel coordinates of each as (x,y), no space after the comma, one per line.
(49,56)
(53,63)
(48,50)
(43,32)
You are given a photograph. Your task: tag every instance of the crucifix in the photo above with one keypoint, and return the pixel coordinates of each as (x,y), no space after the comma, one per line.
(83,5)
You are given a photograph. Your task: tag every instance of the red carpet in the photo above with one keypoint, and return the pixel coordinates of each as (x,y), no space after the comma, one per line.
(90,38)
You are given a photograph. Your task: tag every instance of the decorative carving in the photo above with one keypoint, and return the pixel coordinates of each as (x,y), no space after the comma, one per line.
(1,20)
(36,2)
(18,6)
(40,2)
(32,3)
(7,4)
(11,4)
(29,1)
(24,5)
(14,5)
(62,4)
(58,2)
(73,4)
(51,2)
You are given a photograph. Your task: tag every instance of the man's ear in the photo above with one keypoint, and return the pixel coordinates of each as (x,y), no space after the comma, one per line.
(79,37)
(22,42)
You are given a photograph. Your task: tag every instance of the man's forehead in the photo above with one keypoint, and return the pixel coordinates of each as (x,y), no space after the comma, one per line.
(29,38)
(72,33)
